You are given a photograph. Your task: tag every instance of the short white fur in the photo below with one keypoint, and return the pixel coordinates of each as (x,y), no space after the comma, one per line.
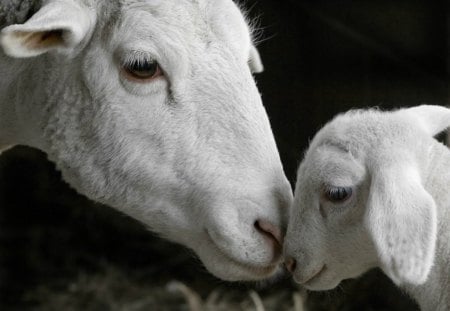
(191,154)
(398,215)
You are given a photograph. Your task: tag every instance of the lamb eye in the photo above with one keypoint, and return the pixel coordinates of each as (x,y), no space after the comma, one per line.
(338,194)
(142,71)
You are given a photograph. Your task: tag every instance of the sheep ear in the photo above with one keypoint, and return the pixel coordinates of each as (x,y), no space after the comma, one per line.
(402,222)
(58,25)
(254,61)
(433,119)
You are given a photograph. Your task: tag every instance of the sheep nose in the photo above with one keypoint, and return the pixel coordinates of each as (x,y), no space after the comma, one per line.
(290,264)
(272,235)
(270,231)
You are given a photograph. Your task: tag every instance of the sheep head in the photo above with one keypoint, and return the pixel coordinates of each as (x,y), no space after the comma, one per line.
(360,200)
(150,107)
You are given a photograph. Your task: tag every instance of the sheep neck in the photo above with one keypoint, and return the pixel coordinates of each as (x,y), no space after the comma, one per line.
(7,114)
(20,106)
(434,295)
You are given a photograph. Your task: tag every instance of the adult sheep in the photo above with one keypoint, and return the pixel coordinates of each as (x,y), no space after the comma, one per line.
(373,191)
(150,107)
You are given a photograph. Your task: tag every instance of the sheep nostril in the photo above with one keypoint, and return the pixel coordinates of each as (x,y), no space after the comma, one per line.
(270,230)
(290,264)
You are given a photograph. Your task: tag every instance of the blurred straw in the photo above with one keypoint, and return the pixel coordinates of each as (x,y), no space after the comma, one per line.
(256,300)
(299,303)
(193,299)
(212,299)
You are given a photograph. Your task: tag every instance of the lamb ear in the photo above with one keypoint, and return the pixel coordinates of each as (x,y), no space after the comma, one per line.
(58,25)
(433,119)
(255,63)
(402,222)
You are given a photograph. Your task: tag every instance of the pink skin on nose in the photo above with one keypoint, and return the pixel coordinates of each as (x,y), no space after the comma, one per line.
(290,264)
(273,235)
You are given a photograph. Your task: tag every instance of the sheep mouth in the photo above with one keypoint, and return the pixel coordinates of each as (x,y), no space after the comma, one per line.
(259,271)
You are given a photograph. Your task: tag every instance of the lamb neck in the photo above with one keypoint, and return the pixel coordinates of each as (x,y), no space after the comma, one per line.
(434,294)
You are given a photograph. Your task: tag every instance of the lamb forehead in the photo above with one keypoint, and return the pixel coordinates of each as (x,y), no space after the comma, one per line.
(357,130)
(356,137)
(336,152)
(329,165)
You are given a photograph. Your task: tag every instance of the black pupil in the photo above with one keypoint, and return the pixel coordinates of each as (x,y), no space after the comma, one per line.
(144,69)
(339,193)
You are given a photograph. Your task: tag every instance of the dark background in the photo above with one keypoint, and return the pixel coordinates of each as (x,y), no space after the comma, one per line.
(321,57)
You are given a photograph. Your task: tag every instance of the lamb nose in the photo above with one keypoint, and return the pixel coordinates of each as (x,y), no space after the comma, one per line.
(290,264)
(270,230)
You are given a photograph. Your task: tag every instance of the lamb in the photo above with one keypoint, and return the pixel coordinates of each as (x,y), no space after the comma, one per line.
(150,107)
(372,191)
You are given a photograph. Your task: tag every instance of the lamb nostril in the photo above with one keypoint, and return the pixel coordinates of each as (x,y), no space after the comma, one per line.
(269,230)
(290,264)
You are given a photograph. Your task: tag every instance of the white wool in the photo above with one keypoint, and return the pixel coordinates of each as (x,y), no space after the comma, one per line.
(398,214)
(190,154)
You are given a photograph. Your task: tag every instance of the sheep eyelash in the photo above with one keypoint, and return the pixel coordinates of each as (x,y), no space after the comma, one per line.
(138,57)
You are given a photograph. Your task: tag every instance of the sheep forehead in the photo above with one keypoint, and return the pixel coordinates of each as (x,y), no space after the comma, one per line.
(184,9)
(207,19)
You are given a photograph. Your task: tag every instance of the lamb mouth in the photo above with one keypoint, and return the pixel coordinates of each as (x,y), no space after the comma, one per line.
(258,271)
(315,276)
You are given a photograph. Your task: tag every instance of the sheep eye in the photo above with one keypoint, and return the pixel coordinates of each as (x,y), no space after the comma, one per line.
(338,194)
(142,71)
